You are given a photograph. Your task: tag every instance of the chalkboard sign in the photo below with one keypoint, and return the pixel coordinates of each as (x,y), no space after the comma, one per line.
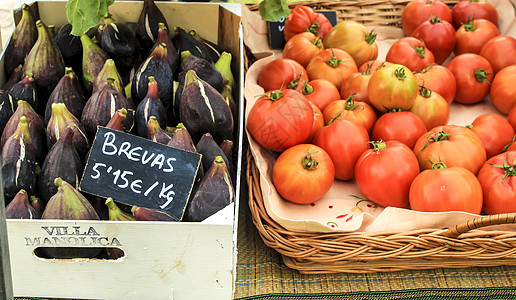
(137,171)
(276,36)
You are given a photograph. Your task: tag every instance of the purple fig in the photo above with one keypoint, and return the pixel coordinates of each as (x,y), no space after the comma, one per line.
(14,78)
(66,92)
(149,214)
(109,70)
(115,213)
(39,206)
(60,119)
(20,208)
(203,68)
(22,40)
(93,60)
(172,55)
(151,105)
(6,108)
(147,26)
(156,133)
(25,89)
(70,46)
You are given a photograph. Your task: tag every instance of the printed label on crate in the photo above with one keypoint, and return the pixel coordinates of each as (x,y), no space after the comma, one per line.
(71,236)
(276,36)
(137,171)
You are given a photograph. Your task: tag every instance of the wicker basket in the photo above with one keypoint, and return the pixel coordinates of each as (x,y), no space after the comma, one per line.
(464,245)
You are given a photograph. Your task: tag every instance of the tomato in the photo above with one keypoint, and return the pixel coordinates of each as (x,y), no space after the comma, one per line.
(350,109)
(280,119)
(442,189)
(332,64)
(355,39)
(455,146)
(321,92)
(302,47)
(356,85)
(498,180)
(401,126)
(304,18)
(410,52)
(511,146)
(431,108)
(384,174)
(500,51)
(511,118)
(317,124)
(418,11)
(344,140)
(503,94)
(480,9)
(372,66)
(303,173)
(472,35)
(392,87)
(439,37)
(494,131)
(473,75)
(282,73)
(439,79)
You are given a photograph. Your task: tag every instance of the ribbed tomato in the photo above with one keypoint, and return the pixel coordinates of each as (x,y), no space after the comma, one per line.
(472,36)
(283,73)
(439,37)
(321,92)
(418,11)
(332,64)
(494,131)
(350,109)
(302,47)
(431,108)
(410,52)
(439,79)
(303,18)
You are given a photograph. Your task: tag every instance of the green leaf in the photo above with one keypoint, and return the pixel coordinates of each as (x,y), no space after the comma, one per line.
(85,14)
(273,10)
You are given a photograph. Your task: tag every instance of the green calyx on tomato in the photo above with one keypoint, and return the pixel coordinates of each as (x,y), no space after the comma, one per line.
(294,83)
(470,24)
(317,42)
(400,73)
(309,163)
(350,102)
(425,92)
(274,95)
(314,27)
(481,75)
(435,20)
(510,144)
(438,165)
(307,89)
(436,137)
(370,37)
(378,145)
(420,50)
(333,61)
(508,170)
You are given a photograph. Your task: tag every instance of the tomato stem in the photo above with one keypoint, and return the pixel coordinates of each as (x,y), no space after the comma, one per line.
(508,170)
(400,73)
(420,50)
(435,20)
(370,37)
(438,165)
(317,42)
(436,137)
(314,28)
(350,102)
(274,95)
(378,145)
(424,91)
(307,89)
(294,83)
(481,75)
(333,61)
(470,24)
(308,162)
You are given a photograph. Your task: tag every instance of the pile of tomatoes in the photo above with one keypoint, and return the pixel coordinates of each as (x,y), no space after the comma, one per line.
(336,112)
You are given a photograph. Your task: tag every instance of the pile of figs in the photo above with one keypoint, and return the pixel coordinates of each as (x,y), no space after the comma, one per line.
(166,84)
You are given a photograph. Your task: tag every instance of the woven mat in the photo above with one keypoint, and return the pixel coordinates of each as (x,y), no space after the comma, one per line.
(261,274)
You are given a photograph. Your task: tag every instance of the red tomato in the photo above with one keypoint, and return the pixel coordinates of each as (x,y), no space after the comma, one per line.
(344,140)
(511,146)
(473,75)
(280,119)
(355,39)
(283,73)
(304,18)
(472,35)
(321,92)
(332,64)
(503,94)
(439,79)
(302,47)
(372,66)
(511,118)
(384,174)
(418,11)
(455,146)
(498,180)
(317,124)
(350,109)
(401,126)
(303,173)
(431,108)
(392,87)
(494,131)
(439,37)
(443,189)
(500,51)
(410,52)
(480,9)
(356,85)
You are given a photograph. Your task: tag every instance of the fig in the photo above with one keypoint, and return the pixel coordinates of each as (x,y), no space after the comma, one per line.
(25,89)
(101,106)
(39,206)
(22,40)
(203,109)
(45,62)
(227,148)
(182,140)
(115,213)
(18,161)
(227,94)
(223,65)
(69,204)
(36,128)
(204,69)
(147,27)
(117,120)
(210,150)
(68,93)
(109,70)
(185,42)
(214,192)
(178,91)
(6,108)
(149,214)
(70,46)
(211,48)
(172,55)
(61,161)
(155,65)
(93,60)
(151,105)
(155,133)
(52,31)
(60,119)
(14,78)
(20,208)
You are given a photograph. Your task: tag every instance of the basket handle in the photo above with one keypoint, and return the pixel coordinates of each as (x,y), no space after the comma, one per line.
(461,228)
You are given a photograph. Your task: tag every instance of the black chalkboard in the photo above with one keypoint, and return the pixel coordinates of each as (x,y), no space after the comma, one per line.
(137,171)
(276,36)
